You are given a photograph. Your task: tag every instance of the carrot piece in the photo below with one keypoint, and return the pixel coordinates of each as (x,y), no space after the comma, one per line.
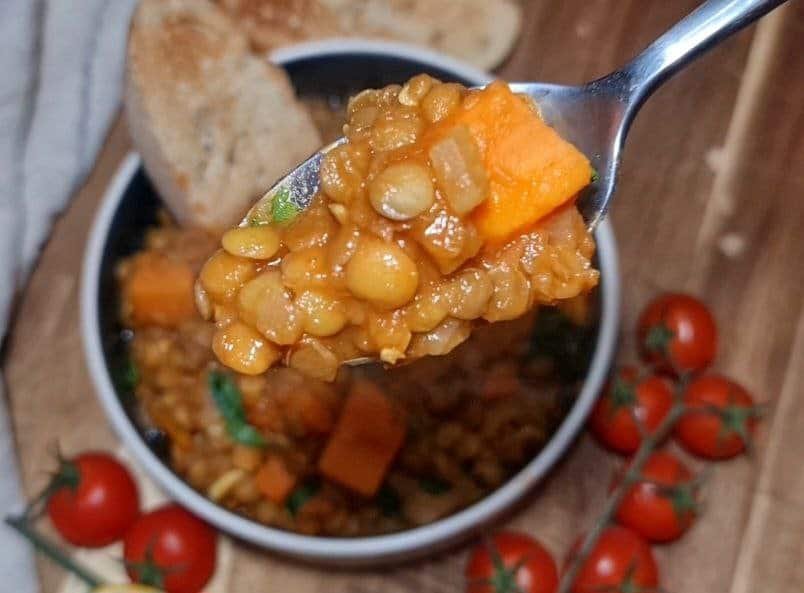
(531,169)
(367,436)
(274,480)
(159,291)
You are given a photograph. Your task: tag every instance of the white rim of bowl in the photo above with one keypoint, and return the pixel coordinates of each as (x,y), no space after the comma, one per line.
(360,549)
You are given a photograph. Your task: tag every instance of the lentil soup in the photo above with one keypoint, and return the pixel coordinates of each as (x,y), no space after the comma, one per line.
(445,209)
(375,451)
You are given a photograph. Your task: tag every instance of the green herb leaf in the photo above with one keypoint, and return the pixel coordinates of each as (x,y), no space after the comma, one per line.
(299,497)
(595,176)
(568,345)
(388,501)
(229,402)
(433,485)
(245,434)
(126,376)
(283,209)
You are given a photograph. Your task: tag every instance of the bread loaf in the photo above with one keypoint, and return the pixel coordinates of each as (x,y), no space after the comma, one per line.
(481,32)
(216,126)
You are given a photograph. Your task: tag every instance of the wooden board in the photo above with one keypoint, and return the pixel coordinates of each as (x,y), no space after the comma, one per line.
(711,200)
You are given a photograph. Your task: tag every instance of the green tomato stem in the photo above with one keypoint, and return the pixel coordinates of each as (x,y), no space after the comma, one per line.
(52,551)
(649,444)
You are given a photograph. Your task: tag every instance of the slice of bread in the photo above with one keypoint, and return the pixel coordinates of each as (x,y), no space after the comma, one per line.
(216,126)
(481,32)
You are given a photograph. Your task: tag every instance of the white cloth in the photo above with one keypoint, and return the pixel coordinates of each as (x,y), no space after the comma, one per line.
(61,64)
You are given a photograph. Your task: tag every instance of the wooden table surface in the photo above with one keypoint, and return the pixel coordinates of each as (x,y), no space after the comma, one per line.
(711,201)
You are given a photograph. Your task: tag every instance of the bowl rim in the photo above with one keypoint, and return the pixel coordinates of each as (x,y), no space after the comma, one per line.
(358,550)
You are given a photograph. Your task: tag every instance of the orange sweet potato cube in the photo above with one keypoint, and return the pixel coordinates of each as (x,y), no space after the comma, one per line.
(367,436)
(159,291)
(531,169)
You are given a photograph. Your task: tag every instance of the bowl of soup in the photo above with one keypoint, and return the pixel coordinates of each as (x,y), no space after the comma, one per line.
(464,435)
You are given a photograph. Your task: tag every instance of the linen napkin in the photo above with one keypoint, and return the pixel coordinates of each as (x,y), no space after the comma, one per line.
(62,64)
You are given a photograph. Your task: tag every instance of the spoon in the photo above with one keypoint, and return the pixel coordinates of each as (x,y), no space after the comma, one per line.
(595,116)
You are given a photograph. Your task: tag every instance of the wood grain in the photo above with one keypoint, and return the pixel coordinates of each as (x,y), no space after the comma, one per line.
(710,201)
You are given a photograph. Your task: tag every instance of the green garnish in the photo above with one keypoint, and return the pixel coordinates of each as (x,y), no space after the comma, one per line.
(126,376)
(595,176)
(299,497)
(229,402)
(388,501)
(283,209)
(280,210)
(568,345)
(433,485)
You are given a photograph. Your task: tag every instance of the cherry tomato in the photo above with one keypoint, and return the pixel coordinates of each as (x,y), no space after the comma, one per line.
(511,562)
(93,500)
(620,561)
(720,420)
(628,399)
(170,549)
(677,333)
(663,506)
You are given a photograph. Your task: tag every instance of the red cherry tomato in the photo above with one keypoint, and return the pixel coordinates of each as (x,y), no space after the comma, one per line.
(677,333)
(511,562)
(94,500)
(620,561)
(662,507)
(720,419)
(626,400)
(170,549)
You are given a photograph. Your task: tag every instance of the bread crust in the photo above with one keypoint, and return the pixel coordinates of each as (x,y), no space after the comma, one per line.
(481,32)
(216,126)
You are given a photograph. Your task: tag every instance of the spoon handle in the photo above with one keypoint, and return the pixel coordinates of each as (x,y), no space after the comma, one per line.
(710,23)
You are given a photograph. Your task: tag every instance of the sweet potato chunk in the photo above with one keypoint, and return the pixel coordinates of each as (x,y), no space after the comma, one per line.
(531,169)
(159,291)
(367,436)
(274,481)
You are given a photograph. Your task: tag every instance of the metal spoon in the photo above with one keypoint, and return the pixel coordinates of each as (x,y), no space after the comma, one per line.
(594,116)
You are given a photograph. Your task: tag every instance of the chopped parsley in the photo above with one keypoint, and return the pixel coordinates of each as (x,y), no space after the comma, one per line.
(229,402)
(283,209)
(568,345)
(126,376)
(300,496)
(388,501)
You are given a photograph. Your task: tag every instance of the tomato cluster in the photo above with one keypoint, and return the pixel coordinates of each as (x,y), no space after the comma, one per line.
(93,501)
(677,339)
(709,415)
